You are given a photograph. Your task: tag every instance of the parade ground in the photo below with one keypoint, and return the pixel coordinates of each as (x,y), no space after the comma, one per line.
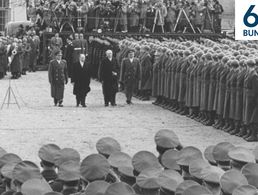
(23,131)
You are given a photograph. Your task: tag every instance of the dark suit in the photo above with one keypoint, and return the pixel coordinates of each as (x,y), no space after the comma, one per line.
(81,79)
(109,80)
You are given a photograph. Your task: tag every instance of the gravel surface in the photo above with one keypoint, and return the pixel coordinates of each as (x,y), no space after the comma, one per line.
(38,122)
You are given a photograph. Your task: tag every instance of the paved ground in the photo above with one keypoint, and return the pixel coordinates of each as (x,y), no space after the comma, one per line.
(39,122)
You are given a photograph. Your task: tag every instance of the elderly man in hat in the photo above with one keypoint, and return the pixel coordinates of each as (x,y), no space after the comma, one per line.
(58,77)
(129,73)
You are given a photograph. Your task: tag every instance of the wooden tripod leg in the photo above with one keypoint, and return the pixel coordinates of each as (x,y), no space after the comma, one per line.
(11,91)
(6,95)
(9,97)
(177,20)
(189,21)
(155,21)
(162,27)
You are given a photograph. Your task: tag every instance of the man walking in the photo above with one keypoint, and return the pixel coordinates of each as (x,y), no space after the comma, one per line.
(129,73)
(58,77)
(81,79)
(108,76)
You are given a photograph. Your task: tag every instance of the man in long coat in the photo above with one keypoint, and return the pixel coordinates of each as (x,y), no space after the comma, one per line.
(108,76)
(58,77)
(129,73)
(81,79)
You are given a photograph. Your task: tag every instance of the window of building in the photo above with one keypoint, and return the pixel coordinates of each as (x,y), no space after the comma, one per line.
(4,14)
(4,3)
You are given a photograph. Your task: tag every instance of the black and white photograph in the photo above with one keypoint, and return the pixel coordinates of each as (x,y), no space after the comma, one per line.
(128,97)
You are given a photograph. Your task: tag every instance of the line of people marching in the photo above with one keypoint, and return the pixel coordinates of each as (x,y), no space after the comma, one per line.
(19,55)
(177,170)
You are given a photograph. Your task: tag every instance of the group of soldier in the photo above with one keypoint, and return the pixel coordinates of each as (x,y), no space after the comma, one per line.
(214,83)
(73,46)
(132,16)
(19,55)
(181,170)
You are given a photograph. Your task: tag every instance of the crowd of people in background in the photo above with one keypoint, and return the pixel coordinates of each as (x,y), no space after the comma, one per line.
(19,55)
(127,15)
(223,168)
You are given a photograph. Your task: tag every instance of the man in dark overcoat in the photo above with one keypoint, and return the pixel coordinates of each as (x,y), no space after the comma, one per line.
(108,76)
(58,77)
(129,73)
(81,79)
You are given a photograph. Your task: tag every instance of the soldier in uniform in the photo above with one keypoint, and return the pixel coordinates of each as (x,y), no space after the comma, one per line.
(239,98)
(233,90)
(146,73)
(84,43)
(58,77)
(77,44)
(129,72)
(56,43)
(250,101)
(26,55)
(157,60)
(68,55)
(222,92)
(47,154)
(3,62)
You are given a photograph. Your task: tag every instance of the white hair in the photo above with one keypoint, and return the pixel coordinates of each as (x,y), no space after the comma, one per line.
(109,51)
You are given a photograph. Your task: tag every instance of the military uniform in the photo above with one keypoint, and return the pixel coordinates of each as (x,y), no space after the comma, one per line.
(58,77)
(128,74)
(3,61)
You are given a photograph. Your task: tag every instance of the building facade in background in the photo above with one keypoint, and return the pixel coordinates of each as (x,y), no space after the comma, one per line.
(5,14)
(11,10)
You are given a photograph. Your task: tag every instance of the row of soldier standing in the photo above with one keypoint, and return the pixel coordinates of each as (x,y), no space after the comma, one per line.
(213,83)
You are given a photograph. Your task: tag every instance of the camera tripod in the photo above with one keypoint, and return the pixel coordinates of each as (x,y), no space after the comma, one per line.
(7,98)
(157,16)
(182,11)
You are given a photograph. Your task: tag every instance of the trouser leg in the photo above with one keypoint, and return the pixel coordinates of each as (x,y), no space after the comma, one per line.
(77,100)
(83,100)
